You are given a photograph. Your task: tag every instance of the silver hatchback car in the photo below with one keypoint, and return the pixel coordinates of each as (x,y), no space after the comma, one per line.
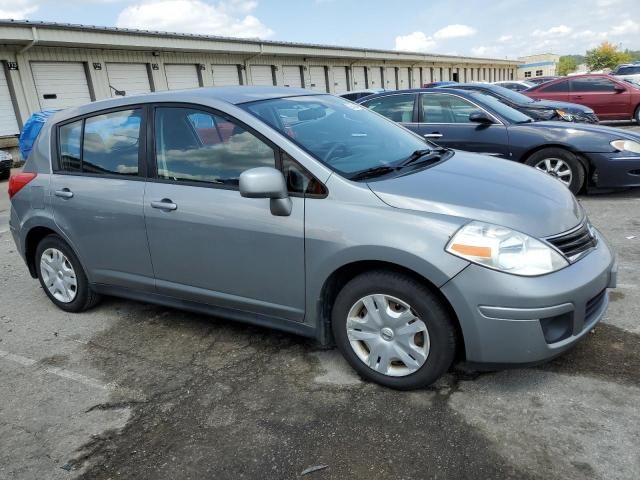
(308,213)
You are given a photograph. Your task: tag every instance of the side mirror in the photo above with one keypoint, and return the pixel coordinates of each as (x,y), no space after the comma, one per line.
(267,182)
(480,117)
(619,89)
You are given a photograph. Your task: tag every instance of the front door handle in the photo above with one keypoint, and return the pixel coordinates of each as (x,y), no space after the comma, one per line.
(64,193)
(433,135)
(577,96)
(164,204)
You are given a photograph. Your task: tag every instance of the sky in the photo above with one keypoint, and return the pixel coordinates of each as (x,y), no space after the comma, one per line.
(482,28)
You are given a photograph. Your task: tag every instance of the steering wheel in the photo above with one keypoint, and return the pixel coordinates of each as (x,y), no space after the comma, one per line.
(336,146)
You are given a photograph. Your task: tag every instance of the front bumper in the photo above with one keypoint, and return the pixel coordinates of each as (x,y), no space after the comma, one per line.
(507,319)
(612,170)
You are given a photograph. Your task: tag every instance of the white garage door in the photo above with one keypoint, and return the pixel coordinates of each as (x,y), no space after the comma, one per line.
(318,79)
(133,78)
(60,84)
(225,75)
(291,76)
(8,122)
(261,75)
(340,79)
(375,77)
(390,78)
(359,78)
(181,77)
(403,78)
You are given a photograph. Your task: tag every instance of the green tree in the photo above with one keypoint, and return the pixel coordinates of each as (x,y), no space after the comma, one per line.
(566,65)
(606,55)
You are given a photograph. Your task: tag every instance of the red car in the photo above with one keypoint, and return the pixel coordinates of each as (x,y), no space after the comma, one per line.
(610,98)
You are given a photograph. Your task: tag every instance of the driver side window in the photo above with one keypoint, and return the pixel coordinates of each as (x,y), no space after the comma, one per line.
(444,108)
(398,108)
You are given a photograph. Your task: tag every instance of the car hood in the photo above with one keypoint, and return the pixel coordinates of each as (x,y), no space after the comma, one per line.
(478,187)
(555,105)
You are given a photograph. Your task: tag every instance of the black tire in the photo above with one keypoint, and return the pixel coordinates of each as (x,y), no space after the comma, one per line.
(574,163)
(426,305)
(85,298)
(5,175)
(636,115)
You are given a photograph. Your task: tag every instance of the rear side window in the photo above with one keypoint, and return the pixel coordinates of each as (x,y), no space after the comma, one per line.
(69,139)
(197,146)
(398,108)
(592,85)
(628,71)
(560,87)
(106,144)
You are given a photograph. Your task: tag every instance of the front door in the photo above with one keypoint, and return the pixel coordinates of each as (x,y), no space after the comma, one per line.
(600,94)
(444,119)
(98,196)
(208,244)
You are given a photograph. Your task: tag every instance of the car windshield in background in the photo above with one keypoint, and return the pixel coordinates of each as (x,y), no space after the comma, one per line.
(505,111)
(346,137)
(515,97)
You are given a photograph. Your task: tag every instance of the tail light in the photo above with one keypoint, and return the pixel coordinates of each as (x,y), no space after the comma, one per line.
(18,181)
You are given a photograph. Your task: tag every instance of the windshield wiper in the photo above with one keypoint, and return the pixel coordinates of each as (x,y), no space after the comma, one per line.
(421,154)
(372,172)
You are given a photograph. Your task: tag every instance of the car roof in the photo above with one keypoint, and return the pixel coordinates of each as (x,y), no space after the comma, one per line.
(232,95)
(413,90)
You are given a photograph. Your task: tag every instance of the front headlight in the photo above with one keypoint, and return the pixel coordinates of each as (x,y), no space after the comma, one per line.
(504,249)
(626,146)
(566,116)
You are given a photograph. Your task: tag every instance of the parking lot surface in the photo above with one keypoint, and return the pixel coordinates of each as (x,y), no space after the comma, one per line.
(131,390)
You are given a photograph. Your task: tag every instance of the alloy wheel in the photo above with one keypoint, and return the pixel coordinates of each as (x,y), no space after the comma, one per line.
(386,335)
(58,275)
(557,168)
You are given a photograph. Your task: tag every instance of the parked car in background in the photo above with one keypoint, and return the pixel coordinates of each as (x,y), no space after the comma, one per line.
(515,85)
(536,109)
(610,98)
(358,94)
(541,80)
(438,84)
(576,154)
(627,71)
(334,223)
(6,162)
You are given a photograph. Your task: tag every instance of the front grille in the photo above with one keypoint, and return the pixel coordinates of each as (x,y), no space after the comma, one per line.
(574,242)
(594,305)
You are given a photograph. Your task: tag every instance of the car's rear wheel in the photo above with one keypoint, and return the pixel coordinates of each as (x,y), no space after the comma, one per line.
(560,164)
(636,115)
(62,276)
(393,330)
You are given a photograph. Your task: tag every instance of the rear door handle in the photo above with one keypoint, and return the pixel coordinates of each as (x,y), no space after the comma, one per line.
(64,193)
(433,135)
(164,204)
(577,96)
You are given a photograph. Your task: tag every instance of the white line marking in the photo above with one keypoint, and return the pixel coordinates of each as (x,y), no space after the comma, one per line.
(60,372)
(630,286)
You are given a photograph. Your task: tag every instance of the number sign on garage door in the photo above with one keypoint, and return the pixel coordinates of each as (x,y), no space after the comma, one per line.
(359,78)
(60,84)
(132,78)
(340,79)
(318,79)
(225,75)
(261,75)
(181,77)
(8,122)
(291,76)
(375,77)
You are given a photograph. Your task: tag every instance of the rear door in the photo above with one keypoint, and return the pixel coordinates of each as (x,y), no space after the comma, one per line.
(98,189)
(600,94)
(444,119)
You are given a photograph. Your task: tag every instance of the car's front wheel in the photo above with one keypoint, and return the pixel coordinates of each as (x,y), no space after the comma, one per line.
(393,330)
(560,164)
(62,276)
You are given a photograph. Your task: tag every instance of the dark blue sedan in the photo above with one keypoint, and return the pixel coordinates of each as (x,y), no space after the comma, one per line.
(577,154)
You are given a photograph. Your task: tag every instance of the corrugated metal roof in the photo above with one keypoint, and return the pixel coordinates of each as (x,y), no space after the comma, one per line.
(151,33)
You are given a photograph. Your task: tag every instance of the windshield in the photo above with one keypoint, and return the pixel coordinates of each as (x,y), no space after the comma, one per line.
(510,114)
(345,136)
(515,97)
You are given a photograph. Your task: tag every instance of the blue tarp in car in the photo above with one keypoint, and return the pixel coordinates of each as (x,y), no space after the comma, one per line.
(31,130)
